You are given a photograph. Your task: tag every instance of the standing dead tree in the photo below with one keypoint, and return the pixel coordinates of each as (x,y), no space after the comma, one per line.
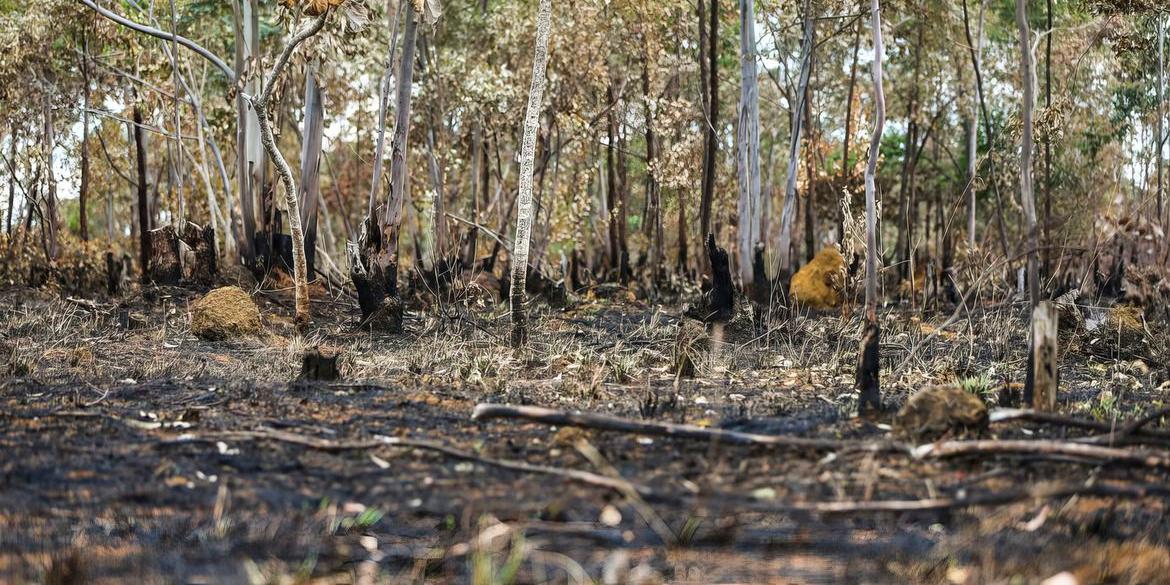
(527,162)
(867,368)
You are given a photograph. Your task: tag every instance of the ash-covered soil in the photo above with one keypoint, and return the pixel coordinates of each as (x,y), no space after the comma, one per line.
(144,454)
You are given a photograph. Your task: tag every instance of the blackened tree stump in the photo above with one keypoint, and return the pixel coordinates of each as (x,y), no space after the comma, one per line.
(320,365)
(868,375)
(722,305)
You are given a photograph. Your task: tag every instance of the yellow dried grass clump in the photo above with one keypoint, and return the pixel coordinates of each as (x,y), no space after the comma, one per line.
(817,285)
(225,313)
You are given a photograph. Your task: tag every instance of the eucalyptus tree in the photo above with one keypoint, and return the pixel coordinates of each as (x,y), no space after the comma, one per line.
(527,162)
(868,384)
(747,147)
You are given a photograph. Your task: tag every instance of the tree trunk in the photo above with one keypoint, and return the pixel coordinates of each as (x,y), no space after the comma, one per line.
(1027,197)
(868,381)
(788,212)
(709,75)
(527,161)
(374,267)
(51,216)
(11,179)
(310,192)
(748,146)
(143,204)
(1160,126)
(653,192)
(247,146)
(261,103)
(83,190)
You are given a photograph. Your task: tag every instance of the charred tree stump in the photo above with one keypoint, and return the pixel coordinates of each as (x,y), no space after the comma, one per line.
(761,286)
(868,365)
(165,264)
(320,365)
(1043,372)
(199,264)
(376,282)
(722,305)
(115,273)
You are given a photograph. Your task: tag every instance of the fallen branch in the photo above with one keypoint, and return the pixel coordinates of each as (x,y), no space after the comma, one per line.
(1097,453)
(679,431)
(1041,492)
(1116,431)
(618,485)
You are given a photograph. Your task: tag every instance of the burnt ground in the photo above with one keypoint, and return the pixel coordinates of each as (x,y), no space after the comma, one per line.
(124,460)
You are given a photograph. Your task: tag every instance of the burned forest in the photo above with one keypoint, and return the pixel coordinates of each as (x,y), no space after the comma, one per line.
(584,291)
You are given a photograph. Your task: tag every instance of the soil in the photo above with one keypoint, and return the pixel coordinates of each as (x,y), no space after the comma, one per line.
(125,456)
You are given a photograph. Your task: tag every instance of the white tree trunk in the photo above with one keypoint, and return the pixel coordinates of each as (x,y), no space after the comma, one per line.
(1159,150)
(879,97)
(748,144)
(788,212)
(260,103)
(527,162)
(1027,198)
(973,138)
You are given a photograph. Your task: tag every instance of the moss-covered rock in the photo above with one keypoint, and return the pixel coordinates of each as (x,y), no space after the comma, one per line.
(817,285)
(225,313)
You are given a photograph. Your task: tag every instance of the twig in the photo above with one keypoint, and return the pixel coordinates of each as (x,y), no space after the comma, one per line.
(617,485)
(679,431)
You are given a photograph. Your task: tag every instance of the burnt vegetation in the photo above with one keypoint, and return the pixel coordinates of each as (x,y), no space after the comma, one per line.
(441,291)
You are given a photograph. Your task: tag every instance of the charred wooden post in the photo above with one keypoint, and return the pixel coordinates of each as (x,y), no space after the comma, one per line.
(165,264)
(320,365)
(868,365)
(1043,372)
(722,305)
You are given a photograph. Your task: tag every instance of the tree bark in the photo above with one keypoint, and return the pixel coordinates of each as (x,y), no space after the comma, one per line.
(788,212)
(51,216)
(143,204)
(709,73)
(748,146)
(83,190)
(868,381)
(310,192)
(1161,129)
(1027,197)
(527,161)
(653,191)
(261,102)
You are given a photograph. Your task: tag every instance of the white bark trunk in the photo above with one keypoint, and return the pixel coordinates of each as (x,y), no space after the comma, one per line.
(527,162)
(1027,198)
(871,255)
(788,212)
(748,144)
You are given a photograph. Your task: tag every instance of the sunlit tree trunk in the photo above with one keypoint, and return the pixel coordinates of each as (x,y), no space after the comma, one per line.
(748,144)
(247,147)
(867,370)
(527,161)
